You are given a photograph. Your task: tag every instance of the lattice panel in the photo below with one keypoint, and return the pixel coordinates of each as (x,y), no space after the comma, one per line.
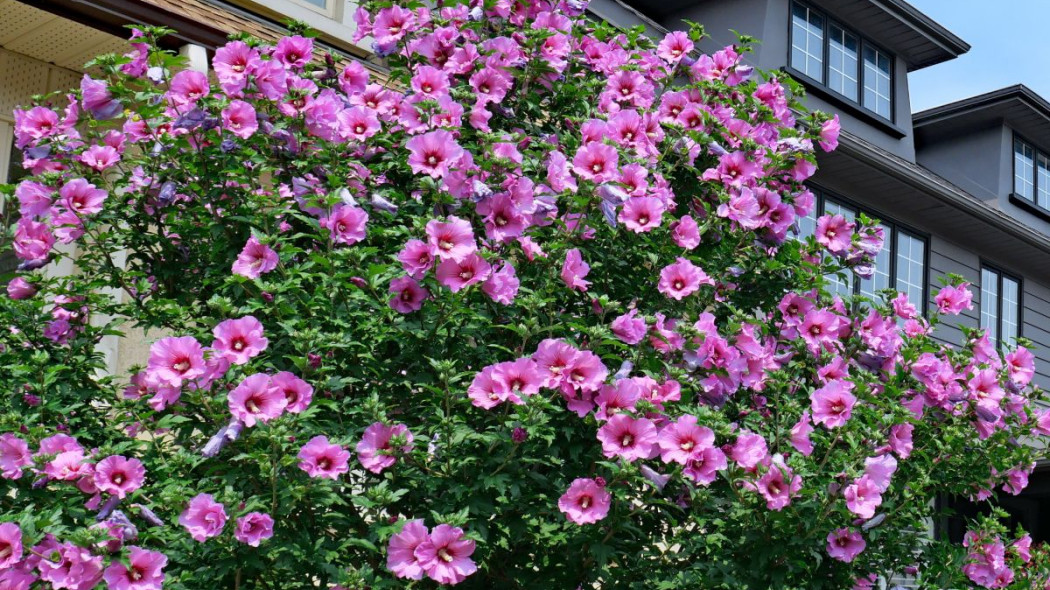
(20,78)
(62,79)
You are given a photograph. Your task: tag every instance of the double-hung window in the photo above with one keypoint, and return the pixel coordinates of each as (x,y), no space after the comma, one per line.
(1031,174)
(900,265)
(1000,306)
(847,64)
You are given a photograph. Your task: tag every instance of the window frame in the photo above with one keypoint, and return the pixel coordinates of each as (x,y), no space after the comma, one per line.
(862,43)
(999,274)
(1031,205)
(822,195)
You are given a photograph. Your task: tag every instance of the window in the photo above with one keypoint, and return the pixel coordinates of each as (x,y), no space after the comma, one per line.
(877,80)
(1031,174)
(807,41)
(848,65)
(842,62)
(900,265)
(1000,306)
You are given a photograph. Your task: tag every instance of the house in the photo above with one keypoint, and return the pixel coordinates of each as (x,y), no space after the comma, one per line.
(963,188)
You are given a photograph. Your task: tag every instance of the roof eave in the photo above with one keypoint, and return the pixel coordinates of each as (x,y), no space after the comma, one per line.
(941,189)
(950,44)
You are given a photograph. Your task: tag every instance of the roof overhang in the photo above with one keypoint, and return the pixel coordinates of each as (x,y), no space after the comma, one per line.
(911,194)
(1017,106)
(896,24)
(202,22)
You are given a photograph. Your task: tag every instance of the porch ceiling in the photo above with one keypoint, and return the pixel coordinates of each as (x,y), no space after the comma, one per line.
(52,39)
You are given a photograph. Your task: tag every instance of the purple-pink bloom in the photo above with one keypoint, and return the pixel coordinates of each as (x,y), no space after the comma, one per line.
(408,295)
(863,497)
(457,275)
(627,437)
(684,441)
(376,451)
(952,300)
(585,502)
(845,545)
(704,469)
(203,518)
(174,360)
(686,233)
(297,393)
(320,458)
(10,545)
(829,134)
(681,279)
(119,476)
(445,555)
(346,224)
(433,153)
(239,340)
(574,270)
(14,455)
(239,119)
(629,327)
(294,51)
(778,484)
(401,552)
(749,450)
(19,288)
(834,232)
(256,400)
(255,259)
(502,285)
(833,403)
(642,214)
(146,571)
(450,240)
(417,257)
(800,435)
(253,528)
(597,162)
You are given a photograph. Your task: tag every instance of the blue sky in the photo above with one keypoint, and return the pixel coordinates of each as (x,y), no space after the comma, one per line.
(1008,46)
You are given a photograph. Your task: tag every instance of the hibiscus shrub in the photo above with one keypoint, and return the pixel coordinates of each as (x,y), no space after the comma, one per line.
(532,308)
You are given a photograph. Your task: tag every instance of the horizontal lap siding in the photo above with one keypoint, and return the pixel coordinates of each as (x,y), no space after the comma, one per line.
(948,258)
(1036,318)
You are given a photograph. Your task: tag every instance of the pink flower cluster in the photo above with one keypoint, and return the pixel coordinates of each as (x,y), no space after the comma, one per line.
(443,554)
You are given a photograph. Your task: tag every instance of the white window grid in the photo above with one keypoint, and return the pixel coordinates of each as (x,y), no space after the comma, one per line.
(877,82)
(1024,169)
(911,267)
(842,62)
(808,40)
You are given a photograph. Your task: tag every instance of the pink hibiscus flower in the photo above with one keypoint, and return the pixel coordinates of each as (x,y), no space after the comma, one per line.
(681,279)
(376,451)
(320,458)
(833,403)
(627,437)
(445,555)
(203,518)
(255,259)
(574,270)
(845,545)
(585,502)
(253,528)
(256,400)
(239,340)
(119,475)
(174,360)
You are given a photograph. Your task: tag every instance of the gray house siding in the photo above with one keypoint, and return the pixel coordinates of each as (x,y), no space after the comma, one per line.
(973,162)
(1035,303)
(769,21)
